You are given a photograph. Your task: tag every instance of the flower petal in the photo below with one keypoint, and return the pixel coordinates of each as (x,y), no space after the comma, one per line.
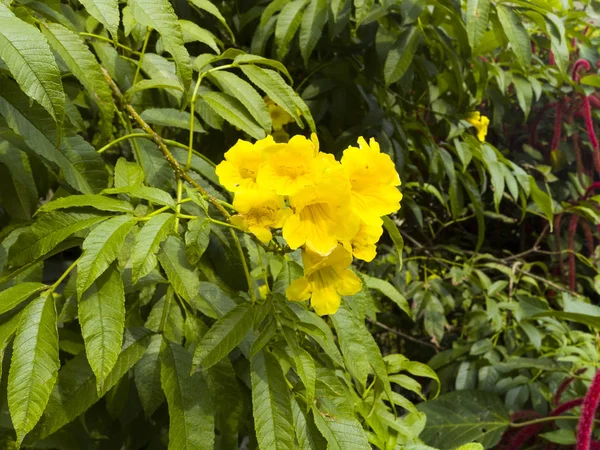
(298,290)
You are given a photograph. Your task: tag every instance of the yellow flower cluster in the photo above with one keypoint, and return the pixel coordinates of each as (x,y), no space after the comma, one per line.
(331,209)
(480,123)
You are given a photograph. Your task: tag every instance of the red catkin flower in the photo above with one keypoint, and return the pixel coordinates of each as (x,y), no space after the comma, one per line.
(571,258)
(586,421)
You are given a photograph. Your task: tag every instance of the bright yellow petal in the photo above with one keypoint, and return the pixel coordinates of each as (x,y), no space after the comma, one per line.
(325,301)
(262,233)
(348,283)
(363,245)
(298,290)
(372,202)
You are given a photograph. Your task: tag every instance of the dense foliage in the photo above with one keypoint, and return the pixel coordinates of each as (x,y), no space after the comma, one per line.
(137,310)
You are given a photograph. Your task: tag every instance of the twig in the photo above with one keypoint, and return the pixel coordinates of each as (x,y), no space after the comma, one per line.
(402,335)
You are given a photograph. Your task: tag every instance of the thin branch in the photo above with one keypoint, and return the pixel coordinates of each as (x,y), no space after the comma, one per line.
(402,335)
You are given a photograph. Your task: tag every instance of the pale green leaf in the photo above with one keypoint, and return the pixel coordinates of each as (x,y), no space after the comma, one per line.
(230,109)
(34,366)
(191,413)
(102,318)
(170,117)
(271,404)
(542,200)
(392,229)
(195,33)
(100,248)
(478,12)
(341,432)
(15,295)
(307,434)
(183,277)
(128,174)
(210,8)
(99,202)
(104,11)
(151,194)
(154,83)
(224,336)
(313,21)
(389,291)
(254,59)
(147,242)
(516,33)
(159,15)
(288,21)
(362,8)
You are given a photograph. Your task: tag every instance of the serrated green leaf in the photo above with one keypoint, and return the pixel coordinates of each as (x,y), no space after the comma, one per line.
(191,414)
(223,382)
(401,55)
(389,291)
(210,8)
(99,202)
(247,96)
(254,59)
(478,12)
(230,109)
(147,377)
(154,83)
(288,21)
(75,389)
(104,11)
(219,302)
(542,200)
(313,21)
(591,80)
(100,249)
(341,432)
(147,243)
(17,186)
(102,318)
(197,239)
(271,404)
(8,328)
(27,55)
(159,15)
(15,295)
(195,33)
(170,117)
(77,161)
(47,232)
(158,171)
(461,417)
(34,366)
(224,336)
(558,41)
(516,33)
(128,174)
(166,318)
(182,276)
(362,8)
(151,194)
(85,67)
(396,237)
(307,434)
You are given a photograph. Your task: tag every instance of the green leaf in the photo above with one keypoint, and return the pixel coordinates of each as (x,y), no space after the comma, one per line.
(154,83)
(313,21)
(29,59)
(254,59)
(147,243)
(99,202)
(210,8)
(104,11)
(147,377)
(524,91)
(542,200)
(396,237)
(159,15)
(389,291)
(128,174)
(197,239)
(307,434)
(151,194)
(75,389)
(362,8)
(17,186)
(558,40)
(34,365)
(563,437)
(170,117)
(224,336)
(271,404)
(288,21)
(516,33)
(478,12)
(102,318)
(247,96)
(48,231)
(77,161)
(195,33)
(461,417)
(191,413)
(182,276)
(8,328)
(591,80)
(337,6)
(230,109)
(100,248)
(83,64)
(341,432)
(401,55)
(15,295)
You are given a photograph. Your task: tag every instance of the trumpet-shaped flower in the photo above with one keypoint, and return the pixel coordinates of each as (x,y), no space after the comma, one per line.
(364,243)
(259,210)
(279,116)
(289,167)
(240,167)
(322,215)
(325,280)
(480,123)
(373,180)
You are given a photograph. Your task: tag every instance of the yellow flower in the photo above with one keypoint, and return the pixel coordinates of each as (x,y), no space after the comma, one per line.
(289,167)
(325,280)
(260,210)
(322,214)
(279,116)
(363,245)
(480,123)
(241,164)
(373,178)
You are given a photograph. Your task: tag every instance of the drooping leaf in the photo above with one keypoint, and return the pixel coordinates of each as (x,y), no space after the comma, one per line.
(313,21)
(271,404)
(102,319)
(128,174)
(17,187)
(154,83)
(147,242)
(401,55)
(147,376)
(288,21)
(396,237)
(210,8)
(104,11)
(34,365)
(389,291)
(230,109)
(100,248)
(478,12)
(85,67)
(182,276)
(516,33)
(170,117)
(342,431)
(151,194)
(159,15)
(191,414)
(27,55)
(542,200)
(224,336)
(99,202)
(461,417)
(17,294)
(307,434)
(197,239)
